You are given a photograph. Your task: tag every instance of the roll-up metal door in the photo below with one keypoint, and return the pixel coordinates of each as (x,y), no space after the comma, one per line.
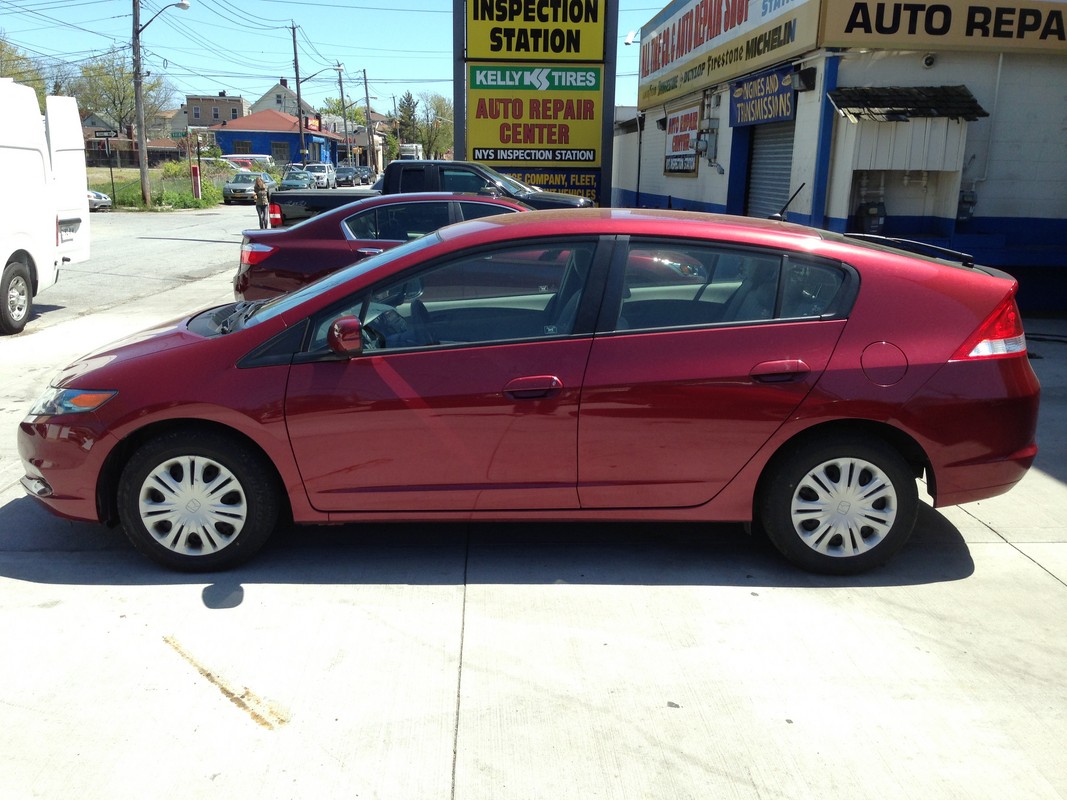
(770,168)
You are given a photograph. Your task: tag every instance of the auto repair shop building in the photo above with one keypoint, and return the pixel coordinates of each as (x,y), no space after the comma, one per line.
(942,122)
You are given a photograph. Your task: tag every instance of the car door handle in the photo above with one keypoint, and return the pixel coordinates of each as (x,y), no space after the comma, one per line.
(370,251)
(790,369)
(532,387)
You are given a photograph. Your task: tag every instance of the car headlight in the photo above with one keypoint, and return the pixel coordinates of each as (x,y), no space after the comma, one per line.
(69,401)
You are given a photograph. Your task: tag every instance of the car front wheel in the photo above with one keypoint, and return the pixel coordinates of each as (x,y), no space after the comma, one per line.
(197,501)
(839,506)
(17,297)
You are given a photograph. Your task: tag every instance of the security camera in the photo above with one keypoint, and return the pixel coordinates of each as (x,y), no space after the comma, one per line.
(929,60)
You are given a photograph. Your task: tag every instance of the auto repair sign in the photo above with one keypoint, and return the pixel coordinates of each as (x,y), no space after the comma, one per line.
(681,155)
(946,25)
(523,113)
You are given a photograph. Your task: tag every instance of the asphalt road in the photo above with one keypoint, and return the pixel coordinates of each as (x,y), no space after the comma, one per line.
(430,662)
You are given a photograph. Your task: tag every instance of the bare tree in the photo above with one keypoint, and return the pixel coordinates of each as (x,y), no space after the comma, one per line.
(106,88)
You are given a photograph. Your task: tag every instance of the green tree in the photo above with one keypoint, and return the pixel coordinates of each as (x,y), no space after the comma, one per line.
(436,132)
(23,69)
(353,113)
(392,147)
(407,119)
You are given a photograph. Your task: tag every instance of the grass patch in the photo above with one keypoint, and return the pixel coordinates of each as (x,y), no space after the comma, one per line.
(172,187)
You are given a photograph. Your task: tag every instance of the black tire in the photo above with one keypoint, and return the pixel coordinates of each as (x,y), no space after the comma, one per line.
(16,298)
(839,506)
(198,501)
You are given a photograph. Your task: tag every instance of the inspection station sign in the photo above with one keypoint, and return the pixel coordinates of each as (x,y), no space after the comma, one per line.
(535,90)
(523,113)
(536,30)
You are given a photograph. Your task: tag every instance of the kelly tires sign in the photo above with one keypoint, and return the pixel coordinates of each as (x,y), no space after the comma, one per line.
(523,113)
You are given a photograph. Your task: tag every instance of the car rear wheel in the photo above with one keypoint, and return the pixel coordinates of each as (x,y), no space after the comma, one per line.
(17,294)
(839,506)
(197,501)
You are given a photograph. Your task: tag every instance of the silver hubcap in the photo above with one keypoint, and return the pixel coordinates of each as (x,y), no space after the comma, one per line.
(193,505)
(18,298)
(844,507)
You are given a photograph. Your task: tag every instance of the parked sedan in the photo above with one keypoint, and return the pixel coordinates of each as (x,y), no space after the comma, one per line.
(241,187)
(277,261)
(347,176)
(98,201)
(297,179)
(507,368)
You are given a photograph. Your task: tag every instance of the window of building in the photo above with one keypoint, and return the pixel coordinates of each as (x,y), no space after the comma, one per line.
(233,113)
(215,112)
(196,112)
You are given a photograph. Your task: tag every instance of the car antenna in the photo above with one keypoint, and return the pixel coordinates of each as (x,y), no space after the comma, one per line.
(781,214)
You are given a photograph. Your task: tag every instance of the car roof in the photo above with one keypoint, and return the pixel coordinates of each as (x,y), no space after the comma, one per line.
(378,200)
(649,222)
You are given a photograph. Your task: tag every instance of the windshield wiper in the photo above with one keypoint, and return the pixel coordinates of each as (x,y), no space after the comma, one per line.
(239,314)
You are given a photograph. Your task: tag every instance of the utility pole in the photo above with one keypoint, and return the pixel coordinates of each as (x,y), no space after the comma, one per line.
(138,94)
(371,155)
(344,110)
(299,102)
(138,99)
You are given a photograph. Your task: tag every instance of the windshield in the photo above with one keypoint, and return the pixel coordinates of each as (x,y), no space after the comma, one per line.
(284,302)
(244,177)
(512,184)
(316,168)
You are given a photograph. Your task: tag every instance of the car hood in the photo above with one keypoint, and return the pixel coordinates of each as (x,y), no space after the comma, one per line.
(550,200)
(168,336)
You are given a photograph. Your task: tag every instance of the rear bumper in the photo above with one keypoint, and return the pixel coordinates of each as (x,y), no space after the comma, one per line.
(977,422)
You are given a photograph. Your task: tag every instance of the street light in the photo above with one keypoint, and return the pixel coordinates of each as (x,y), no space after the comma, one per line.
(372,156)
(344,111)
(138,93)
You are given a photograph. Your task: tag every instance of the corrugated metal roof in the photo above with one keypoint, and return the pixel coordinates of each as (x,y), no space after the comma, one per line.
(901,103)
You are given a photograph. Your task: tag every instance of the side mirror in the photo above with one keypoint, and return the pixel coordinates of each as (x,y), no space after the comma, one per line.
(345,337)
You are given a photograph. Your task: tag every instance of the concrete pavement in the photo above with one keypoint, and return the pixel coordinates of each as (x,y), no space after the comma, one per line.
(533,661)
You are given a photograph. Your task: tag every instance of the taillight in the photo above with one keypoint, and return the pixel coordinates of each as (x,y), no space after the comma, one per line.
(1000,336)
(274,214)
(253,253)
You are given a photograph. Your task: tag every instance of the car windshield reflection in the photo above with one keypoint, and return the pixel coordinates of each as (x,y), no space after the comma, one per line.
(282,303)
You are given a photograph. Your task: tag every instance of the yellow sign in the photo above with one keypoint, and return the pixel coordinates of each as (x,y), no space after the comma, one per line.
(523,113)
(693,45)
(946,25)
(536,30)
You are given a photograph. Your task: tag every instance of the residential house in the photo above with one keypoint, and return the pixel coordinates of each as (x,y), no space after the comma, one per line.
(281,98)
(277,134)
(202,111)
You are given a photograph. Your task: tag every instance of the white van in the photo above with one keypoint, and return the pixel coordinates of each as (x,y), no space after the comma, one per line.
(44,212)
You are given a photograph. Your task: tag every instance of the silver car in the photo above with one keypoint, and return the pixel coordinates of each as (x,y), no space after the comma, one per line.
(241,187)
(325,175)
(99,201)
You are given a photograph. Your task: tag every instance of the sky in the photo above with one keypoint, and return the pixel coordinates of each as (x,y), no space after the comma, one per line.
(242,47)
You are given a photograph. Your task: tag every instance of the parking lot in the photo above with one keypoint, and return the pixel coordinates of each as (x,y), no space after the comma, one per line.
(427,661)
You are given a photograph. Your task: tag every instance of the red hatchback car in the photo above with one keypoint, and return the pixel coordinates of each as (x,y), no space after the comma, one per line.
(278,261)
(602,364)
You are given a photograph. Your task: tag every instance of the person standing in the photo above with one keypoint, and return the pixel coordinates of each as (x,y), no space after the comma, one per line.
(262,202)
